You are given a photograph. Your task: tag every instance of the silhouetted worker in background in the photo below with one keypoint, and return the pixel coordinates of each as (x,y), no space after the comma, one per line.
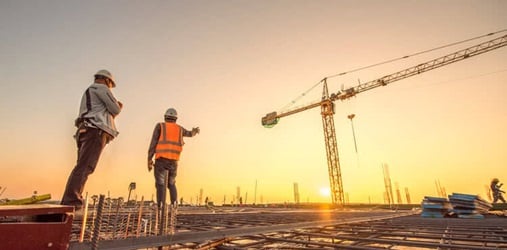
(497,193)
(95,128)
(166,145)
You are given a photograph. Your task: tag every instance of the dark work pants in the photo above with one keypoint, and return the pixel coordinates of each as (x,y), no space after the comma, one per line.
(162,167)
(89,144)
(497,195)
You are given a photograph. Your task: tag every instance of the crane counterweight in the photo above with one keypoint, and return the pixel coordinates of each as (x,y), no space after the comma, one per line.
(270,120)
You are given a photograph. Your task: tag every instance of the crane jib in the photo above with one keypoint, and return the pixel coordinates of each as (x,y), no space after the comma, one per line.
(335,178)
(402,74)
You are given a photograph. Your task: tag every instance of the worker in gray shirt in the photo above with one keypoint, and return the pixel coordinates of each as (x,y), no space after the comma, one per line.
(95,128)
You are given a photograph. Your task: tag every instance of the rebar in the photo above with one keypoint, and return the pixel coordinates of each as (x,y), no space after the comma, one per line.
(265,228)
(98,223)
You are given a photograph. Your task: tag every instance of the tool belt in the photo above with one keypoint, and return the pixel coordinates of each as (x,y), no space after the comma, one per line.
(81,128)
(79,121)
(83,125)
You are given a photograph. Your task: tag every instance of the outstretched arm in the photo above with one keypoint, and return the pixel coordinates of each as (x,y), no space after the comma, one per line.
(191,133)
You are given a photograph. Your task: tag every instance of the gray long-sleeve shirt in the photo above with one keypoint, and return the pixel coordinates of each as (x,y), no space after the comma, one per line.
(156,136)
(99,107)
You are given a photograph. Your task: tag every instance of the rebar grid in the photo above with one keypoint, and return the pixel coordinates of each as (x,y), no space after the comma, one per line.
(198,228)
(399,233)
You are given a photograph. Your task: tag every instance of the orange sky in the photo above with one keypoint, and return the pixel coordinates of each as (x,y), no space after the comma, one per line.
(225,64)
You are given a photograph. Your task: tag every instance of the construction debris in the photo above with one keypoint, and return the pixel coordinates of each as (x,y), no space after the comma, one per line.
(458,205)
(30,200)
(435,207)
(469,206)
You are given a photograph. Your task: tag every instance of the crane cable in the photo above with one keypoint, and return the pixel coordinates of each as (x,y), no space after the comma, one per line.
(418,53)
(388,61)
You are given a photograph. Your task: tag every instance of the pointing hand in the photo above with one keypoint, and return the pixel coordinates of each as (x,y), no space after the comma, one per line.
(196,130)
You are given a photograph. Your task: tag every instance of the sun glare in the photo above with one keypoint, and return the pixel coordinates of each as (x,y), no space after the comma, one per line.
(324,191)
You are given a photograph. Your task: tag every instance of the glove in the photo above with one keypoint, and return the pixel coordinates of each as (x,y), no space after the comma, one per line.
(150,165)
(196,130)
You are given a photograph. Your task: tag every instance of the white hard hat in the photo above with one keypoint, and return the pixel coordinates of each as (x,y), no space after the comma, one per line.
(106,73)
(171,113)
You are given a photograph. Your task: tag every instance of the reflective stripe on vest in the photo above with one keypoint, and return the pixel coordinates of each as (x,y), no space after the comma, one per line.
(170,142)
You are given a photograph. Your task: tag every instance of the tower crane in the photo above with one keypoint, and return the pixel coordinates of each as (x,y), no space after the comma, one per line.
(327,104)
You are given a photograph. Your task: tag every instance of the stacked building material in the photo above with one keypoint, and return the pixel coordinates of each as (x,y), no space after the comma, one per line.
(469,206)
(435,207)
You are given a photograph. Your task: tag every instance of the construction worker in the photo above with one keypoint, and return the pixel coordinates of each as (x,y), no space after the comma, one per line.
(495,189)
(95,128)
(166,146)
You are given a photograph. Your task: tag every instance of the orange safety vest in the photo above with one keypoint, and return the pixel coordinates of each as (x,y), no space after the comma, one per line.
(170,141)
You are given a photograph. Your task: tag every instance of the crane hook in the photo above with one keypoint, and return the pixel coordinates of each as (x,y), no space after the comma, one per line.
(351,116)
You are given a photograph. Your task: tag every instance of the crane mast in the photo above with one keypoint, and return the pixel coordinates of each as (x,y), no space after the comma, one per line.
(327,104)
(333,160)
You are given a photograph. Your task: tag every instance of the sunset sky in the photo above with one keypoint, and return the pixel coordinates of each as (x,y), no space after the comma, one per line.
(225,64)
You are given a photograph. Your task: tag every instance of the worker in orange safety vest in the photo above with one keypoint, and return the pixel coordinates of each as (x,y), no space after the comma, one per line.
(166,146)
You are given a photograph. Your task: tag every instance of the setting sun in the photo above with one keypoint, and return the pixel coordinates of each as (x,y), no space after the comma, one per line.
(325,191)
